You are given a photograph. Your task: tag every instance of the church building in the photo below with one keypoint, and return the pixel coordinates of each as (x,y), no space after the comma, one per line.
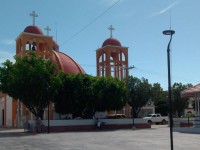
(12,112)
(111,60)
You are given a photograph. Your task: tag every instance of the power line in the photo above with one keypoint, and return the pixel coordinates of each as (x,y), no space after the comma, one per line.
(83,28)
(153,73)
(164,75)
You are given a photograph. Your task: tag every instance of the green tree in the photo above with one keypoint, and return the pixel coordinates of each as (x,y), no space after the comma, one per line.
(179,104)
(63,99)
(161,106)
(157,92)
(109,93)
(83,95)
(75,95)
(31,80)
(159,97)
(139,93)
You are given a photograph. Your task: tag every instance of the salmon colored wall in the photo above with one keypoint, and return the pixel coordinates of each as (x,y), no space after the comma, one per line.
(14,112)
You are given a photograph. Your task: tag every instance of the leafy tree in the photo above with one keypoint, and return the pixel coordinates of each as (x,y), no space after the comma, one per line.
(159,97)
(83,95)
(161,106)
(157,92)
(63,99)
(31,80)
(179,103)
(75,96)
(109,93)
(139,93)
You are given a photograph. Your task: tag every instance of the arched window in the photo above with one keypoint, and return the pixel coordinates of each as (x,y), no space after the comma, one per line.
(122,56)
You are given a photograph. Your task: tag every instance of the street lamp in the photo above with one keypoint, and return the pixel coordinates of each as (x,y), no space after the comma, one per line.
(131,67)
(169,32)
(48,130)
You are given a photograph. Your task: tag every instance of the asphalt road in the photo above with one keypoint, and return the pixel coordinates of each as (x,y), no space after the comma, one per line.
(156,138)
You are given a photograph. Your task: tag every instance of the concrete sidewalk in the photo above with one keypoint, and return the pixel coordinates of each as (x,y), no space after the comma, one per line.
(156,138)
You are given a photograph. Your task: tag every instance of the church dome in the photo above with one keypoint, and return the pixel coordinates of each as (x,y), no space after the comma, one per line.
(66,63)
(33,29)
(112,42)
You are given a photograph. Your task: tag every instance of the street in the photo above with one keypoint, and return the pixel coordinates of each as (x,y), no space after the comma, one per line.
(156,138)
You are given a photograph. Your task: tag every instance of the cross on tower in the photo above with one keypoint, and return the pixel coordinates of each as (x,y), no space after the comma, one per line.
(33,14)
(111,29)
(48,29)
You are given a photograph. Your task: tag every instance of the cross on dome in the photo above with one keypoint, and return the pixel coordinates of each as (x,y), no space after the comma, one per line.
(33,14)
(111,29)
(48,29)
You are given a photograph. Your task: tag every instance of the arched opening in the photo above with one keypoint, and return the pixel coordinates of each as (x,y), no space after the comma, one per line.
(122,56)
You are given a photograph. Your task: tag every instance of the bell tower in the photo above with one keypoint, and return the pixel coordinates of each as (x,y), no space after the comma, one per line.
(112,58)
(44,46)
(33,39)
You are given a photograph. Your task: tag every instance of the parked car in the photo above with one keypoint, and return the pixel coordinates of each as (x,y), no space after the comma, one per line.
(77,118)
(156,118)
(115,116)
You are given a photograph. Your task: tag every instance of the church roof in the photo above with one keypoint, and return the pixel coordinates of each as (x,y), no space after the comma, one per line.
(33,29)
(191,92)
(111,41)
(66,63)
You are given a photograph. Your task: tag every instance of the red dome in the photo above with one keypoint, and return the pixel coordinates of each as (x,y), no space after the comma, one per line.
(66,63)
(33,29)
(111,41)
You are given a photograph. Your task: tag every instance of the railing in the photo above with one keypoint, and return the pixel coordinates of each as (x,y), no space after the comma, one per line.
(187,122)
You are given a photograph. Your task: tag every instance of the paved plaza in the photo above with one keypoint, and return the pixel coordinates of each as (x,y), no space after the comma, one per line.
(156,138)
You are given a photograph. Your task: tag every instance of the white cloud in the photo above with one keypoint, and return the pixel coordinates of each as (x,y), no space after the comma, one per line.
(165,9)
(5,54)
(8,42)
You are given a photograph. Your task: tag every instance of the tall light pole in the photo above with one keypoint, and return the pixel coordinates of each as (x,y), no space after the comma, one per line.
(169,32)
(48,130)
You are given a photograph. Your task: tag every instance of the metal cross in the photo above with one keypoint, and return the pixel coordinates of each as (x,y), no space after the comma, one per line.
(111,29)
(33,14)
(48,29)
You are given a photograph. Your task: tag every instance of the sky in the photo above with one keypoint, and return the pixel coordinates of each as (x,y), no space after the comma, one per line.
(81,26)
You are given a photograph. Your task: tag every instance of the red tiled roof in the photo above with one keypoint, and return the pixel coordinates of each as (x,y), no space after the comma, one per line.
(191,92)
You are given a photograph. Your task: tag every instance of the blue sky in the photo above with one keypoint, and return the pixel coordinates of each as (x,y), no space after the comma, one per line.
(82,27)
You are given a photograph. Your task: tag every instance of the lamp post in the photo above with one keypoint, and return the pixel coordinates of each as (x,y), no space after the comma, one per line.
(169,32)
(48,130)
